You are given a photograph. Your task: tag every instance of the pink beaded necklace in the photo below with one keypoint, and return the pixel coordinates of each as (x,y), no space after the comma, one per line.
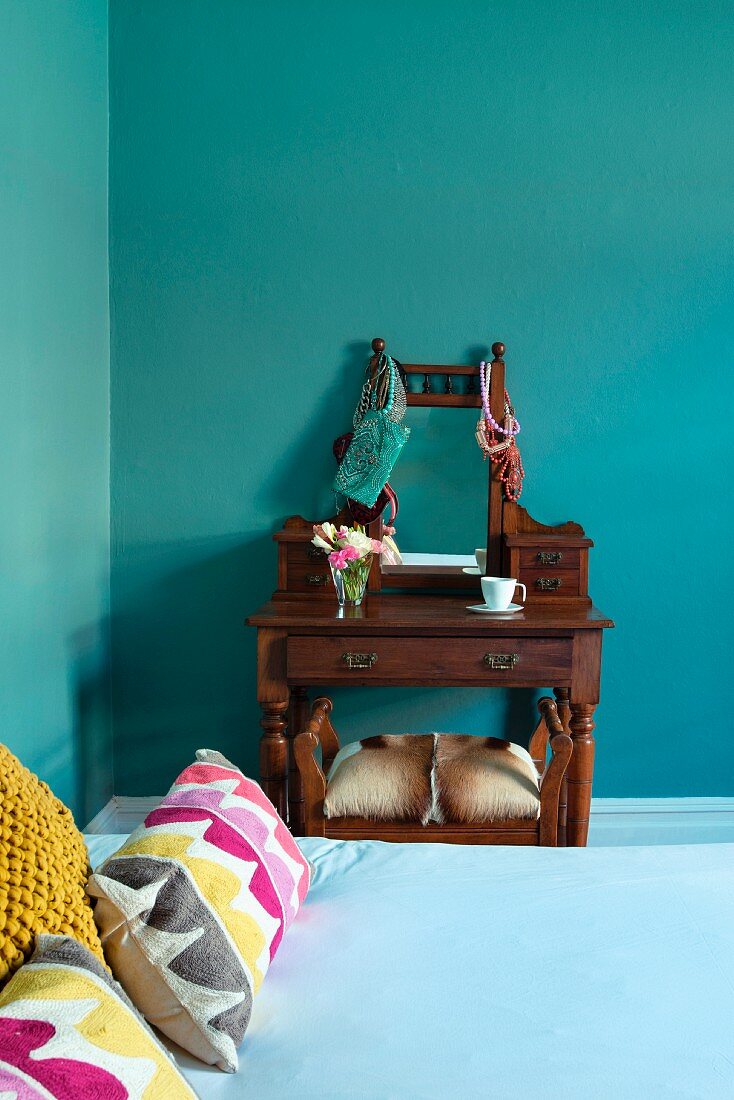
(505,452)
(485,374)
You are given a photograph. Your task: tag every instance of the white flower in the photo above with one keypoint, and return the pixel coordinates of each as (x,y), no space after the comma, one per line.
(324,536)
(390,553)
(360,541)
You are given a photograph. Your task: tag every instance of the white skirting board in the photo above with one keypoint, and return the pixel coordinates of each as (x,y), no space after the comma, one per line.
(614,821)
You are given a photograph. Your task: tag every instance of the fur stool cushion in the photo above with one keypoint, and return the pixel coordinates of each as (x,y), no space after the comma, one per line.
(383,778)
(483,779)
(442,777)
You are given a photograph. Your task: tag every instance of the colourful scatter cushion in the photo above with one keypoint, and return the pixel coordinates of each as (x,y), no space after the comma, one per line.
(68,1031)
(43,868)
(193,907)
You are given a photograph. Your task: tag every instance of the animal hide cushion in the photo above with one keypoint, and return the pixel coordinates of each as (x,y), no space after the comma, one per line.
(483,779)
(446,778)
(383,778)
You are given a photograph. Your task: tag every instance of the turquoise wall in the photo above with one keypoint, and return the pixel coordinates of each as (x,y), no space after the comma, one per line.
(54,412)
(291,179)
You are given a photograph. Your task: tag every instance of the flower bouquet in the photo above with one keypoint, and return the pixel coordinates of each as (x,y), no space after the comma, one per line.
(350,551)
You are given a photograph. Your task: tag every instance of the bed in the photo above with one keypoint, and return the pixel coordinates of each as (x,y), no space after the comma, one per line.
(457,971)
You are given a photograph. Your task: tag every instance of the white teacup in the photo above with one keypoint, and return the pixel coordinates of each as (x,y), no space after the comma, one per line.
(481,559)
(498,592)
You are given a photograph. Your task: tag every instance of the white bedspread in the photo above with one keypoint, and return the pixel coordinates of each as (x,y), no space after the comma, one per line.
(460,972)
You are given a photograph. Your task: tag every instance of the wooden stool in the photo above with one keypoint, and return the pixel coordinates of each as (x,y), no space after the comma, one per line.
(440,781)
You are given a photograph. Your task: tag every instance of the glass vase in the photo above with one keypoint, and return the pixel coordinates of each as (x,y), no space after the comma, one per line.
(351,583)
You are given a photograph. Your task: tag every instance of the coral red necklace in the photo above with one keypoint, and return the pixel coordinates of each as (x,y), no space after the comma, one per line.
(504,453)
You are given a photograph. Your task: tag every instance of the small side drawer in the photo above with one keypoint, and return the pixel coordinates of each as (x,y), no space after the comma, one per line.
(309,576)
(305,553)
(552,567)
(549,581)
(516,662)
(303,568)
(549,558)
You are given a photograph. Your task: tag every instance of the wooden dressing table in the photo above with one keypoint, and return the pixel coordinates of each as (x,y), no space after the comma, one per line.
(423,636)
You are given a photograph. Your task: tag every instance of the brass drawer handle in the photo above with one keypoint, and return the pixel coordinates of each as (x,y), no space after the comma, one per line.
(359,660)
(546,557)
(316,578)
(548,584)
(501,660)
(314,553)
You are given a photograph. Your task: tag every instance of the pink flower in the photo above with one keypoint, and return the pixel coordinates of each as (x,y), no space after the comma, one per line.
(341,557)
(342,532)
(388,530)
(377,546)
(338,559)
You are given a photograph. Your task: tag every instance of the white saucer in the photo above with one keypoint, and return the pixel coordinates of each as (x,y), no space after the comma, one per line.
(472,570)
(482,609)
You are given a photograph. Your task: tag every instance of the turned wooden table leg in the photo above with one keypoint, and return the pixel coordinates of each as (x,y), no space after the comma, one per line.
(580,773)
(297,721)
(564,713)
(274,755)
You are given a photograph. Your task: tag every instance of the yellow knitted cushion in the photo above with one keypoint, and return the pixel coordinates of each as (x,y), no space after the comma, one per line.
(43,868)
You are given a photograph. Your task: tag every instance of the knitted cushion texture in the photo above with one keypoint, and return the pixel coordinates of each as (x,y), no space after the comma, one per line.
(44,868)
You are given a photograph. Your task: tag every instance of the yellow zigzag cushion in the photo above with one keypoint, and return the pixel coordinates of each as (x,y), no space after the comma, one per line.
(44,868)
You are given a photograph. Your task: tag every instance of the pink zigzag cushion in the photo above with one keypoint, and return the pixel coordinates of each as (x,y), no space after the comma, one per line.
(275,845)
(22,1042)
(68,1031)
(222,836)
(192,909)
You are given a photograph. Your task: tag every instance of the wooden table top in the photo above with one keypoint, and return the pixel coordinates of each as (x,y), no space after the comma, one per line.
(421,614)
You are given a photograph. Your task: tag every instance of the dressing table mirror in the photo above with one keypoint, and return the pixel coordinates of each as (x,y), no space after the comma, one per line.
(441,484)
(414,629)
(445,402)
(443,405)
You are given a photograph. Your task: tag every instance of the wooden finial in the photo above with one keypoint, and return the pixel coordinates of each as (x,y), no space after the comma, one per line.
(378,346)
(498,350)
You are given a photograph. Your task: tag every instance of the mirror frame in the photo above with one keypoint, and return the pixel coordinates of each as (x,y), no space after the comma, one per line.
(433,577)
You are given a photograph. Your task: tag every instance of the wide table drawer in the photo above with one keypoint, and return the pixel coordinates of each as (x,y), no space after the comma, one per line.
(429,661)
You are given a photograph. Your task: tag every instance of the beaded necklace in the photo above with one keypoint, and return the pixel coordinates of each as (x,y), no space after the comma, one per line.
(385,389)
(504,452)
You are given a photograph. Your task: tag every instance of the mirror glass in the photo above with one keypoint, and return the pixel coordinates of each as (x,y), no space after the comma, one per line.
(441,481)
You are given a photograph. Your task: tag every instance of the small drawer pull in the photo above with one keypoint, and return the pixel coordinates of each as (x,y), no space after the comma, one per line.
(501,660)
(316,578)
(548,584)
(314,553)
(548,557)
(359,660)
